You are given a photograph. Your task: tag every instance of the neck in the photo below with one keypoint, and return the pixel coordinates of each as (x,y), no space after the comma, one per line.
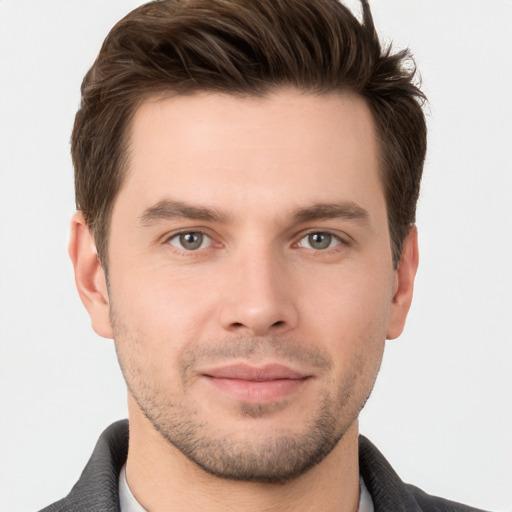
(162,478)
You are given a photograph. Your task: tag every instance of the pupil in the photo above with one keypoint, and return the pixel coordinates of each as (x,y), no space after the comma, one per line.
(320,240)
(191,240)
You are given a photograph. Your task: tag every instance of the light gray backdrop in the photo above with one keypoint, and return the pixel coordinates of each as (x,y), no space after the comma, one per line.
(441,411)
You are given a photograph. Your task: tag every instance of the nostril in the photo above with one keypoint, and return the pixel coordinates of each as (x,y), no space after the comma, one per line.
(240,325)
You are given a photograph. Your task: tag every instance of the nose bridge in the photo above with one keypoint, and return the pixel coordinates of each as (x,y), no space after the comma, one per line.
(258,298)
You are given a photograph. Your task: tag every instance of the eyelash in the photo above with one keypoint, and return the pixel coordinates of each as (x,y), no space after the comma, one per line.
(340,241)
(189,232)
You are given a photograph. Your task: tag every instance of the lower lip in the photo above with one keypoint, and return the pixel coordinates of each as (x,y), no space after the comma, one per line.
(257,391)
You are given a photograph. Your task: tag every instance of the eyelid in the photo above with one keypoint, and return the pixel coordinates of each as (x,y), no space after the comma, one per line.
(180,231)
(166,240)
(342,237)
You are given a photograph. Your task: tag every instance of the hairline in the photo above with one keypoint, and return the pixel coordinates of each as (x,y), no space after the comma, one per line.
(167,92)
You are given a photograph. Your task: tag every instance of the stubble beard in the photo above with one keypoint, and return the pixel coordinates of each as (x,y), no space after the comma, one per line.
(275,457)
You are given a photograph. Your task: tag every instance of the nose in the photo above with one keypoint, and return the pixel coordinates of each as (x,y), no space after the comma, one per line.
(258,297)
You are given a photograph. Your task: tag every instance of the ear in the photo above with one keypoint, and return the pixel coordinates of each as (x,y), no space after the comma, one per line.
(89,276)
(404,284)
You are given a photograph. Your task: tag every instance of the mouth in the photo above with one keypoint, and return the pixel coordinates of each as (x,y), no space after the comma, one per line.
(256,384)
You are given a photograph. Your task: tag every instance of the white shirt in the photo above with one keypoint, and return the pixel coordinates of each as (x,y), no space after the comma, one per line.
(126,498)
(130,504)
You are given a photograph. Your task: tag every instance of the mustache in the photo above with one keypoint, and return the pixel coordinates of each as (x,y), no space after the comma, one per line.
(255,350)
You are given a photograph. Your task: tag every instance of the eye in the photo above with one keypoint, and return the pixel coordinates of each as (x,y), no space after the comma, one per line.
(190,240)
(319,241)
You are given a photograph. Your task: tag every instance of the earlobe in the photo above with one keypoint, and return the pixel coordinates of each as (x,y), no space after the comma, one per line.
(404,284)
(89,276)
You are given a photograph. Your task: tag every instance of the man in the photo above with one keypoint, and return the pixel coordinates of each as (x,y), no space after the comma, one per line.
(246,181)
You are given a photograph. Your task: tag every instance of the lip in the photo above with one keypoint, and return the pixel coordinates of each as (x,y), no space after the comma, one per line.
(256,384)
(254,373)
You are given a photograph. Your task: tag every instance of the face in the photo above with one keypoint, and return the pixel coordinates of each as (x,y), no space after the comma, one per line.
(251,284)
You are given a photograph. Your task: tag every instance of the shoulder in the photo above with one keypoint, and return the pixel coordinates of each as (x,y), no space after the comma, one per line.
(430,503)
(97,487)
(390,493)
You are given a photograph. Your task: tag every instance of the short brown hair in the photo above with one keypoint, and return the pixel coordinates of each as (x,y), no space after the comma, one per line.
(246,47)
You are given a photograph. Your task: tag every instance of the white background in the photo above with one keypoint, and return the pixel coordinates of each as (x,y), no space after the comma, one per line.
(441,411)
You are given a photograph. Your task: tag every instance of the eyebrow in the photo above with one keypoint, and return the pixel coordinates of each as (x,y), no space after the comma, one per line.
(343,210)
(167,210)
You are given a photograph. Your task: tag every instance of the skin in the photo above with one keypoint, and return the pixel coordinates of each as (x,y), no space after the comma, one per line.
(294,269)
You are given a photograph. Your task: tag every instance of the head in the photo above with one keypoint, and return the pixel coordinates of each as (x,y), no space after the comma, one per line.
(245,48)
(248,172)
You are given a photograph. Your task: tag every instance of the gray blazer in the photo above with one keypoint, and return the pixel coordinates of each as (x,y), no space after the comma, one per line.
(97,488)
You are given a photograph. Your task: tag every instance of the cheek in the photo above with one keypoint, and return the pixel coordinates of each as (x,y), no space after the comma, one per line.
(156,294)
(349,315)
(161,313)
(350,299)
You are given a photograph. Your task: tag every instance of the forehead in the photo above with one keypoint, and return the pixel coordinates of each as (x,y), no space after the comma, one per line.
(287,148)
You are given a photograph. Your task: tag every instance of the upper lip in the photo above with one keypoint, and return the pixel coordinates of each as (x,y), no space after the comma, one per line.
(254,373)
